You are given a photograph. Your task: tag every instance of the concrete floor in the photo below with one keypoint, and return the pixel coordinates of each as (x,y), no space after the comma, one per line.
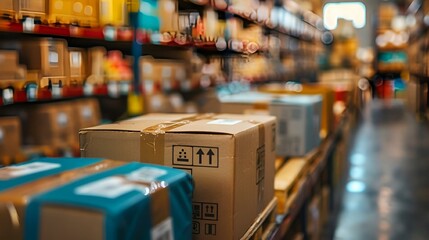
(387,192)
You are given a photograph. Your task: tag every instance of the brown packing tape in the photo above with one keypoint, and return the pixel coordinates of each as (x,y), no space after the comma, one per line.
(14,201)
(152,138)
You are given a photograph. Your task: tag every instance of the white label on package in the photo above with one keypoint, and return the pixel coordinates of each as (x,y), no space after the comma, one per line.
(53,57)
(26,169)
(111,187)
(163,230)
(146,174)
(224,121)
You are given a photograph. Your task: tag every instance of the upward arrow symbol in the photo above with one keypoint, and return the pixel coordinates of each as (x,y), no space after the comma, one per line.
(200,154)
(210,153)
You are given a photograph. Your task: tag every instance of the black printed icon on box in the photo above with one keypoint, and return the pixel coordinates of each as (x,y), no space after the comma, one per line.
(195,227)
(182,155)
(210,211)
(196,210)
(210,229)
(260,164)
(188,170)
(206,157)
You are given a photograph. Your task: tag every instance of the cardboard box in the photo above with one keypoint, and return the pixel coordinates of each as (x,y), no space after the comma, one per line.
(52,124)
(87,113)
(298,121)
(77,61)
(10,136)
(94,199)
(286,180)
(8,61)
(327,118)
(231,158)
(298,118)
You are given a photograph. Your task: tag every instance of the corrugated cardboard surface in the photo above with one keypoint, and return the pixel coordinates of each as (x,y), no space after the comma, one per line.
(231,160)
(10,136)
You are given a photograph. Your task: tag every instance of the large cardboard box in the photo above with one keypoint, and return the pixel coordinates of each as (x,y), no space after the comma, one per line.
(87,113)
(90,199)
(327,119)
(298,117)
(298,120)
(231,158)
(52,124)
(10,136)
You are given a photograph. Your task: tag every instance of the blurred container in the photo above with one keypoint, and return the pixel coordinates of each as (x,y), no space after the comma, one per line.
(77,60)
(113,12)
(10,136)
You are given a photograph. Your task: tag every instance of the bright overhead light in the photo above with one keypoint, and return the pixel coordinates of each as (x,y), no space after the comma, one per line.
(352,11)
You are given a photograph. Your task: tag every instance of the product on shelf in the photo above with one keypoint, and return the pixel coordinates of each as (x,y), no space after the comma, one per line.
(87,112)
(113,12)
(52,124)
(286,182)
(231,158)
(77,61)
(45,57)
(9,66)
(327,118)
(83,13)
(298,118)
(95,62)
(10,138)
(75,198)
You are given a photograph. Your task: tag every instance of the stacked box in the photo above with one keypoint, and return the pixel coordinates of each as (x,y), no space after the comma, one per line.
(52,124)
(231,158)
(327,115)
(10,136)
(94,199)
(298,118)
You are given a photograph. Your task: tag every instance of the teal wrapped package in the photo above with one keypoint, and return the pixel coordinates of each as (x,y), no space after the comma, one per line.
(127,201)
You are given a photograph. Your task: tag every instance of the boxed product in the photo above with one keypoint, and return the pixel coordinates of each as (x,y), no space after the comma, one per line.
(10,136)
(87,112)
(231,158)
(298,117)
(45,55)
(298,121)
(286,180)
(77,62)
(93,199)
(327,117)
(51,124)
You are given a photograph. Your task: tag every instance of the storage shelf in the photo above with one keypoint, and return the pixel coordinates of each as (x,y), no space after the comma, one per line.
(319,164)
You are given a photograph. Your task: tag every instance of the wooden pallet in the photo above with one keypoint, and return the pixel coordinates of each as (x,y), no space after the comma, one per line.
(264,224)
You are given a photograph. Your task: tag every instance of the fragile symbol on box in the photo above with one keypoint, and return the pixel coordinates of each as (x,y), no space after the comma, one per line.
(196,210)
(195,227)
(210,211)
(210,229)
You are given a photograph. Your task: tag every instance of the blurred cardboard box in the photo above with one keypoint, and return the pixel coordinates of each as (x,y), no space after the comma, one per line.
(10,136)
(286,180)
(52,124)
(87,113)
(93,198)
(298,118)
(327,116)
(231,158)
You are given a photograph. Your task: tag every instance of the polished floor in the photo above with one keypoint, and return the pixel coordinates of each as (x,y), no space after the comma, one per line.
(387,190)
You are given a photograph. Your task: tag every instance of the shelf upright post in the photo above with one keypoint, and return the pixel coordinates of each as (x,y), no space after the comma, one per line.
(135,98)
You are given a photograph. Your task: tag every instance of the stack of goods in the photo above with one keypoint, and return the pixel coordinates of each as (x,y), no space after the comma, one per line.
(94,199)
(231,158)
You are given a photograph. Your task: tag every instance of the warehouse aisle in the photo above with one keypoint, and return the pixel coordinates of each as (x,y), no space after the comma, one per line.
(386,195)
